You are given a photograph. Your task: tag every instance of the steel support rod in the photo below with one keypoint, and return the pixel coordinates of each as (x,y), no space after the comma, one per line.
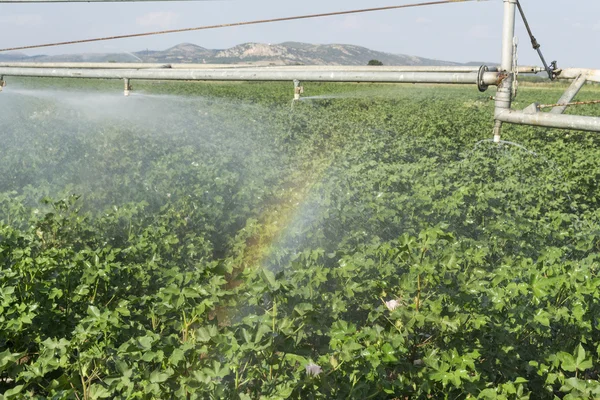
(569,94)
(504,93)
(534,42)
(547,120)
(489,78)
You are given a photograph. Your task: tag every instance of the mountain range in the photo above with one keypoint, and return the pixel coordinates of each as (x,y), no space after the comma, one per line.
(288,53)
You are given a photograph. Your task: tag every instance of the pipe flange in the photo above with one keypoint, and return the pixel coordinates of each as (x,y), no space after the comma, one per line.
(481,85)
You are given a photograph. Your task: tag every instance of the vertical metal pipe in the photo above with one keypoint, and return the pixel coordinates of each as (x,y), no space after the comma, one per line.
(508,33)
(504,93)
(298,90)
(128,88)
(569,94)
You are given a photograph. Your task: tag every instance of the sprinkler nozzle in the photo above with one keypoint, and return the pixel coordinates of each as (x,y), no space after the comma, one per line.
(497,131)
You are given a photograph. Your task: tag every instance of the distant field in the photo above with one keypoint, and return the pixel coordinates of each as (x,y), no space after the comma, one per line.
(215,241)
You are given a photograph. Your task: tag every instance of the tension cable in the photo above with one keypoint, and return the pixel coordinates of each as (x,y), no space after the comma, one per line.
(536,46)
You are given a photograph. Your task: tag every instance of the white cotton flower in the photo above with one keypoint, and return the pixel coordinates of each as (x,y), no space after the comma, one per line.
(313,369)
(392,304)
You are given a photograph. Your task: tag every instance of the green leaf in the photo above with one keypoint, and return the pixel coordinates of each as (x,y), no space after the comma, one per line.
(177,356)
(145,342)
(99,392)
(190,293)
(582,363)
(7,358)
(269,279)
(206,333)
(388,353)
(158,377)
(13,392)
(94,311)
(543,317)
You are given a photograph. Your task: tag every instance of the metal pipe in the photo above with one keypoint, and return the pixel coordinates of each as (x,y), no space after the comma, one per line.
(128,87)
(569,94)
(466,68)
(109,65)
(504,93)
(103,65)
(575,122)
(508,33)
(298,90)
(592,75)
(83,65)
(489,78)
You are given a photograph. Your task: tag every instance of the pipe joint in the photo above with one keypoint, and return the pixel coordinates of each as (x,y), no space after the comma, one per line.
(481,84)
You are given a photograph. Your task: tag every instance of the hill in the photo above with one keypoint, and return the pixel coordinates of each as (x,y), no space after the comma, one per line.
(288,53)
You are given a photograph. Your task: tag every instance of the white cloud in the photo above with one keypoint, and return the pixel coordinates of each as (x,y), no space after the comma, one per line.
(596,27)
(158,19)
(423,21)
(21,19)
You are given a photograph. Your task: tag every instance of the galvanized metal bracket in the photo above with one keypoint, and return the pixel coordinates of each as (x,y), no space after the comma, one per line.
(533,108)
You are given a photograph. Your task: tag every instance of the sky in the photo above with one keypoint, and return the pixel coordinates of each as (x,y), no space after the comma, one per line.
(567,30)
